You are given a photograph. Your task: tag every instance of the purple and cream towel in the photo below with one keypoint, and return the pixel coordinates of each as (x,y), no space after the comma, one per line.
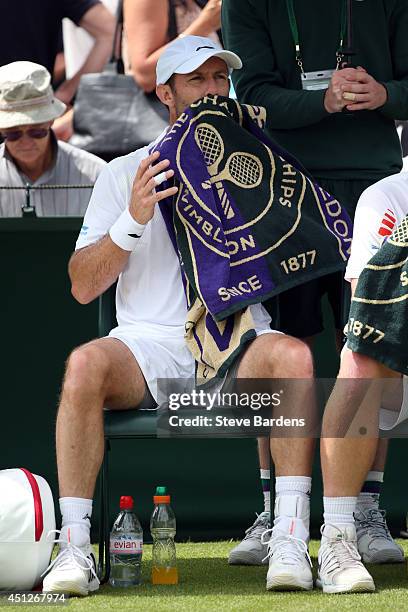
(247,224)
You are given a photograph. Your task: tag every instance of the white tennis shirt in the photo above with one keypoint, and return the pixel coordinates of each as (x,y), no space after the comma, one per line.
(379,211)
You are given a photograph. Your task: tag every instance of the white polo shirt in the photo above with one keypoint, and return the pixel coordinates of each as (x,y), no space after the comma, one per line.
(379,211)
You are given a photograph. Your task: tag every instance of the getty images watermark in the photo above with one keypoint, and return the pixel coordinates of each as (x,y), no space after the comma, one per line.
(207,400)
(240,413)
(284,408)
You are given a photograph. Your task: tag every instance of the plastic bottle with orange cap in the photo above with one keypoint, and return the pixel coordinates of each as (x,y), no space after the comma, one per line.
(163,530)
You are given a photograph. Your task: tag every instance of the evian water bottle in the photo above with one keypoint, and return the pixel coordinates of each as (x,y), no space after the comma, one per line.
(126,546)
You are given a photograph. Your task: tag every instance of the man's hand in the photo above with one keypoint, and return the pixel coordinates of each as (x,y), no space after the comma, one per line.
(333,99)
(362,91)
(144,197)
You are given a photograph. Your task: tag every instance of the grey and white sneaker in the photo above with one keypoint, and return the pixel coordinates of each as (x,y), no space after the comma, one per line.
(251,551)
(374,541)
(73,571)
(340,566)
(289,561)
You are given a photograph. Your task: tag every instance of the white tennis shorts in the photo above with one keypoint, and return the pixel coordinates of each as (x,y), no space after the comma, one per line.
(390,418)
(164,358)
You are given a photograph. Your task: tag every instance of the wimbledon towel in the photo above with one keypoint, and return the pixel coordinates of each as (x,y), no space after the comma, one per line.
(247,221)
(378,322)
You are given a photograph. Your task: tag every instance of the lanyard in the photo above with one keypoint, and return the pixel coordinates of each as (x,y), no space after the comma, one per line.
(295,34)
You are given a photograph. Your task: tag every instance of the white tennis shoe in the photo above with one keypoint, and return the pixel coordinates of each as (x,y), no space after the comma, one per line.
(73,571)
(289,561)
(340,566)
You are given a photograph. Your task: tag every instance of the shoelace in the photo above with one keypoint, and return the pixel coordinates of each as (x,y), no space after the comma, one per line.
(338,553)
(374,521)
(285,547)
(69,555)
(257,529)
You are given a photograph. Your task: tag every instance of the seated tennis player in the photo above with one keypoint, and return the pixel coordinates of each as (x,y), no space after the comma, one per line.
(376,350)
(124,239)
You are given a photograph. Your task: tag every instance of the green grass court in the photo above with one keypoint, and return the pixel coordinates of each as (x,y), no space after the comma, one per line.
(208,583)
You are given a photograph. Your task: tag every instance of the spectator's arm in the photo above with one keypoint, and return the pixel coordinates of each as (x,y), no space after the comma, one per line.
(63,127)
(100,24)
(259,82)
(146,37)
(147,34)
(396,106)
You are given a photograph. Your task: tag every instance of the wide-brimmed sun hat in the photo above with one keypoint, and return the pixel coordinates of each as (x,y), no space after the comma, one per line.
(188,53)
(26,95)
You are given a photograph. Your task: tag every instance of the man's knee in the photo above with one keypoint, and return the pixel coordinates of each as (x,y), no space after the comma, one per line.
(292,356)
(355,365)
(87,369)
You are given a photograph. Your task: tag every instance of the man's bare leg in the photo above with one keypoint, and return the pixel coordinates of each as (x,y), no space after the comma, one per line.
(280,356)
(352,411)
(346,460)
(101,372)
(276,356)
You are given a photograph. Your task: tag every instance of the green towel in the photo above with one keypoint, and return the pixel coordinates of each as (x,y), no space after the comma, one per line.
(378,322)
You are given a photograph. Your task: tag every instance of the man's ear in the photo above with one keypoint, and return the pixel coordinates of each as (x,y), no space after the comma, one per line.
(165,94)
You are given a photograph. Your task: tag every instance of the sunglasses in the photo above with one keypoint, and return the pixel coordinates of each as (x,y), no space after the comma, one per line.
(36,133)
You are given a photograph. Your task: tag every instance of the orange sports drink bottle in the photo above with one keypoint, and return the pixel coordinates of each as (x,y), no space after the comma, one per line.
(163,530)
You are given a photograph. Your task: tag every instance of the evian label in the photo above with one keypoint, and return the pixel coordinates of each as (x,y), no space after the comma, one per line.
(126,546)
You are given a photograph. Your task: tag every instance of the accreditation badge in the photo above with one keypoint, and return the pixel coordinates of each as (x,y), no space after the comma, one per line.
(320,79)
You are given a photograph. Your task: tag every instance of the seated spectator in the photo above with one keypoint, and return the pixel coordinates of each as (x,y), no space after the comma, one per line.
(31,154)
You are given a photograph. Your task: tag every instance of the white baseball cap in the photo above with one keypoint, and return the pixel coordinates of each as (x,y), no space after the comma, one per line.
(187,53)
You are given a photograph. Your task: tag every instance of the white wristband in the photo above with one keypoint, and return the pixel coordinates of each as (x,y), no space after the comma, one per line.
(125,232)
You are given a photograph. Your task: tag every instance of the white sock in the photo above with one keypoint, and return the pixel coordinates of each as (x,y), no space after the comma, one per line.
(375,476)
(293,485)
(76,519)
(266,488)
(339,510)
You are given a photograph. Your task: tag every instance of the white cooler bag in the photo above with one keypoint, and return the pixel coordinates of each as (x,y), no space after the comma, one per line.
(26,516)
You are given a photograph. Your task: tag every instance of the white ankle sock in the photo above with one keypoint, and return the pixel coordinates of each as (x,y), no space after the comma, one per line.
(293,485)
(339,510)
(76,516)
